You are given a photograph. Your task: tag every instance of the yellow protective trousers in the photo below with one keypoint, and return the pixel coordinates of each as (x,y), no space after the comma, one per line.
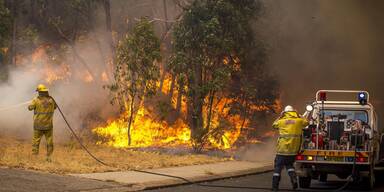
(37,135)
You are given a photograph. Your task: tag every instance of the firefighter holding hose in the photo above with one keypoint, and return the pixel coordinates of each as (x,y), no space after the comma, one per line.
(289,125)
(43,107)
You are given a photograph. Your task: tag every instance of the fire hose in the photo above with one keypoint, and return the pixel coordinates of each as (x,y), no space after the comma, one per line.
(349,180)
(187,181)
(352,176)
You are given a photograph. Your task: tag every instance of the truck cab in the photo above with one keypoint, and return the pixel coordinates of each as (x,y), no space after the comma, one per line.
(343,138)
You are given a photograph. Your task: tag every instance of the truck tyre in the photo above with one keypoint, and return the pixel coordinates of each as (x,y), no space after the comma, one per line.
(323,177)
(305,182)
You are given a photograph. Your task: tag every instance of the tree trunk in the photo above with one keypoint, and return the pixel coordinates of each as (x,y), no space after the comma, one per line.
(14,32)
(209,117)
(91,21)
(108,23)
(195,106)
(170,94)
(179,98)
(245,114)
(33,12)
(166,45)
(162,78)
(131,112)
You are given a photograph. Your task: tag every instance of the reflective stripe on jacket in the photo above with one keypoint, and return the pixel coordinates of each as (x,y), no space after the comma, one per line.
(43,108)
(290,127)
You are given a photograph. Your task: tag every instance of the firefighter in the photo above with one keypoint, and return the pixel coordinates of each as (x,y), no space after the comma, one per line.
(289,126)
(43,106)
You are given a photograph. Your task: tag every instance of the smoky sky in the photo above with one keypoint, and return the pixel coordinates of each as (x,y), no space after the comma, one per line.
(325,44)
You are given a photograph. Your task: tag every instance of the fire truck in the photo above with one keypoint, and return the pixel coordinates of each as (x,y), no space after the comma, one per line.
(343,138)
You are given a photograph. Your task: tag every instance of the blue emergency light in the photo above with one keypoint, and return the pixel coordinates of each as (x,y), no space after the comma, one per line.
(362,97)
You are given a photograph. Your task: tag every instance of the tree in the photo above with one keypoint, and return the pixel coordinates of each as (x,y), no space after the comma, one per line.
(14,31)
(5,28)
(136,71)
(252,88)
(208,44)
(108,27)
(5,24)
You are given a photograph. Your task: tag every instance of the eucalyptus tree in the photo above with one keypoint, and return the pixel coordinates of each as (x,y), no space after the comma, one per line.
(136,74)
(208,43)
(5,28)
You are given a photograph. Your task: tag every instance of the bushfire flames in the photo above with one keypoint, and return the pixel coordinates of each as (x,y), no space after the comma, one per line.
(41,63)
(148,130)
(145,132)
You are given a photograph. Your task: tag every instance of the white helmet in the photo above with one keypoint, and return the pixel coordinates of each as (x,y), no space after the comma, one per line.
(288,108)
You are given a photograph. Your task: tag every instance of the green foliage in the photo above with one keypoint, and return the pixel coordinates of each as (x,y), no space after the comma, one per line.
(28,39)
(69,20)
(30,35)
(5,34)
(211,42)
(136,71)
(253,84)
(210,32)
(5,24)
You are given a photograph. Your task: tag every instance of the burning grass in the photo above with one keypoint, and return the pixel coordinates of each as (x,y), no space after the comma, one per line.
(70,158)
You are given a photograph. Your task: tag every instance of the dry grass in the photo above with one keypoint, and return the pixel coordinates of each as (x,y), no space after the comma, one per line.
(69,158)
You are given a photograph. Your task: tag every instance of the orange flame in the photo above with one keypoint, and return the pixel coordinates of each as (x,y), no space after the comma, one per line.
(87,77)
(104,77)
(147,131)
(144,131)
(55,74)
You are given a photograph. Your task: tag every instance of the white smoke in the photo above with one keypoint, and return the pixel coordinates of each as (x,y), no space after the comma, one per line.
(82,102)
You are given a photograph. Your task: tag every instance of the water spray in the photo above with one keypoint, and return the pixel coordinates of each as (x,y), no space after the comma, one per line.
(15,106)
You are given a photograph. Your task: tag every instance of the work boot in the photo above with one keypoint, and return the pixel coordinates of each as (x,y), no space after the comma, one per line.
(293,176)
(275,183)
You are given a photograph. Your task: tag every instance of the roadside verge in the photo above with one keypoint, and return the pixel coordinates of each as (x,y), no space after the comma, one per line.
(194,173)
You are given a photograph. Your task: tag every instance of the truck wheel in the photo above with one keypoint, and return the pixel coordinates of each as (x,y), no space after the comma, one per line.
(323,177)
(304,182)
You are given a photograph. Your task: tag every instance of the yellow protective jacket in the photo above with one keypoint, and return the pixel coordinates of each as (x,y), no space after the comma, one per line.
(43,107)
(290,126)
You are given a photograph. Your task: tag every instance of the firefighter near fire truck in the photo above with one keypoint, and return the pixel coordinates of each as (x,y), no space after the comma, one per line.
(43,107)
(289,125)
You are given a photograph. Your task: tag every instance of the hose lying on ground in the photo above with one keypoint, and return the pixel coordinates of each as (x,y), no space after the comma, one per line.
(178,177)
(353,173)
